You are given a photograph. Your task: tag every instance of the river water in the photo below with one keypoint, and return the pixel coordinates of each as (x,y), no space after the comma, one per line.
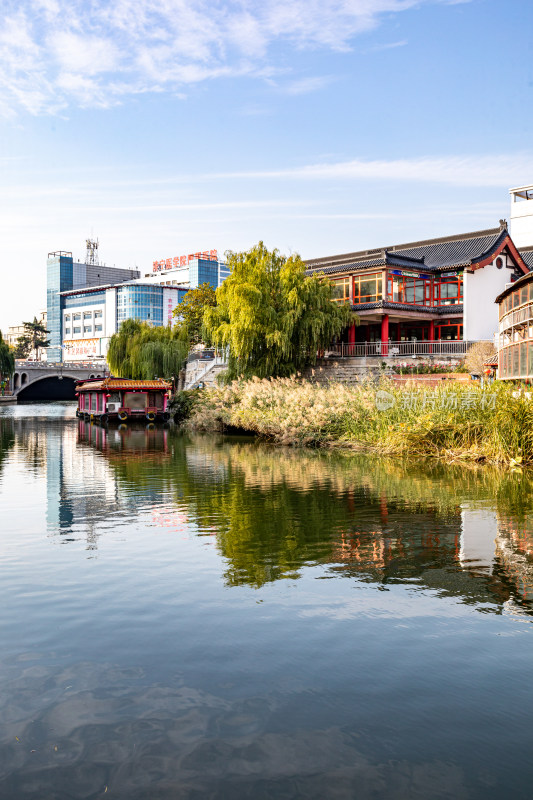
(209,617)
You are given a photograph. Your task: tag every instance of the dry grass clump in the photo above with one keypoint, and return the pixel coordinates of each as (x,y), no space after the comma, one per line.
(455,420)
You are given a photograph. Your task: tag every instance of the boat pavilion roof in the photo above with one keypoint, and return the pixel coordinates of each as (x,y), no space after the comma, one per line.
(123,383)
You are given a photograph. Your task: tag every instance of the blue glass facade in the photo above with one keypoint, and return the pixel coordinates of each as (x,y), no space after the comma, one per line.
(203,271)
(141,302)
(76,300)
(59,278)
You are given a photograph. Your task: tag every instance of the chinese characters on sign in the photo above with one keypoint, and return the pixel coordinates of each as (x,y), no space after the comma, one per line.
(182,261)
(81,347)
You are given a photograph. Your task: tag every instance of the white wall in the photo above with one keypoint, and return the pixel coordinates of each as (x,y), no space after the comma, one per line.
(521,223)
(480,290)
(170,301)
(85,345)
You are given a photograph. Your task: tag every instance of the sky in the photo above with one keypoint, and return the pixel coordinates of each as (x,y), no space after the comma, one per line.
(165,127)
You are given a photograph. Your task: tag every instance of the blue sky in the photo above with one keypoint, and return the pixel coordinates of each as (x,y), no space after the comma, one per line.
(171,126)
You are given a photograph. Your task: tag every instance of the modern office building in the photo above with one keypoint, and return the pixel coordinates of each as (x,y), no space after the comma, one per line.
(190,270)
(90,316)
(63,275)
(89,301)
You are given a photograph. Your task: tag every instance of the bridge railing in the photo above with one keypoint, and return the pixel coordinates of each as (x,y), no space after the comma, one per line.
(57,365)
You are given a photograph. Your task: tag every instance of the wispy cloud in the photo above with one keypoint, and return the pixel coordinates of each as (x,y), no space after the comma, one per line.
(307,85)
(54,53)
(387,46)
(498,170)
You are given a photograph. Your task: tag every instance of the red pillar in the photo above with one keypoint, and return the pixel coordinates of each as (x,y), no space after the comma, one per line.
(431,334)
(385,335)
(351,339)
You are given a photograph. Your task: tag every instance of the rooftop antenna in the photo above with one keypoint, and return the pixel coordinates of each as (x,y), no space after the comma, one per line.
(92,252)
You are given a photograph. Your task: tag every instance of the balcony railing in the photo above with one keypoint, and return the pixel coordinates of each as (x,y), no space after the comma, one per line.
(518,317)
(436,349)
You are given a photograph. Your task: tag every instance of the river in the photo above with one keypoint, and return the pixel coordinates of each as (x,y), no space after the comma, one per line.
(205,617)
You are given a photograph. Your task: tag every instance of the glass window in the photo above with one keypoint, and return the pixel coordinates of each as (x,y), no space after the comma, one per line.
(341,290)
(76,316)
(67,330)
(98,327)
(516,361)
(523,295)
(76,330)
(367,288)
(67,317)
(448,291)
(87,328)
(98,315)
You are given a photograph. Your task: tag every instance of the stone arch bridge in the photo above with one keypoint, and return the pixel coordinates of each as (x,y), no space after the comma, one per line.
(43,380)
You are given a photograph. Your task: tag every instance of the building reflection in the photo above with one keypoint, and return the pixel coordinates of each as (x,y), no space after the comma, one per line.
(272,513)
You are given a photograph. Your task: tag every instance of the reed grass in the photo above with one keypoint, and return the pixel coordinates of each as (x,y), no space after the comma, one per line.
(453,421)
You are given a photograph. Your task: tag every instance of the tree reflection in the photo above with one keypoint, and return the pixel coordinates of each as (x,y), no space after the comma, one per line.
(274,511)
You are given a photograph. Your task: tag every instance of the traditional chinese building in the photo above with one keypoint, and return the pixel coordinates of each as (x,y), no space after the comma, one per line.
(423,297)
(515,344)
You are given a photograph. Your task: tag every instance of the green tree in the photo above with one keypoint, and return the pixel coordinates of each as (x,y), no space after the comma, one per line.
(190,312)
(34,335)
(7,360)
(142,352)
(22,347)
(271,316)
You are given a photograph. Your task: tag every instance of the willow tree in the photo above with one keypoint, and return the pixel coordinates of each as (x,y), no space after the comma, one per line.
(142,352)
(270,316)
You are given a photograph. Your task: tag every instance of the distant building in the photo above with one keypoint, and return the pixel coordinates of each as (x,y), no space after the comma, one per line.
(91,310)
(15,332)
(65,274)
(190,270)
(90,316)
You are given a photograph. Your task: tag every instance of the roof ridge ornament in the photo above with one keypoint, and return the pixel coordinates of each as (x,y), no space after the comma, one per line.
(503,224)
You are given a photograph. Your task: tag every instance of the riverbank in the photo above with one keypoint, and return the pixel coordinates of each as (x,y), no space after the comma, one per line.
(453,421)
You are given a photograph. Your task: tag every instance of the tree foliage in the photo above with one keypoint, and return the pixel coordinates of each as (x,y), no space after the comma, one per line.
(476,357)
(141,352)
(22,347)
(190,312)
(272,317)
(7,359)
(34,338)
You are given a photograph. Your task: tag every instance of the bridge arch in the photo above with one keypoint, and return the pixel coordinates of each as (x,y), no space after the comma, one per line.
(49,387)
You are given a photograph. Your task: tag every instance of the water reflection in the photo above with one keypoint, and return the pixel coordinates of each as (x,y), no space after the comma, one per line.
(199,617)
(272,512)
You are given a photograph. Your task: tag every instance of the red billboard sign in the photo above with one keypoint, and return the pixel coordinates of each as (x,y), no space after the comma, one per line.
(182,261)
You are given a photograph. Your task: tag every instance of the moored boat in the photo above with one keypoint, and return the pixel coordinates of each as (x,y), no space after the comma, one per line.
(124,400)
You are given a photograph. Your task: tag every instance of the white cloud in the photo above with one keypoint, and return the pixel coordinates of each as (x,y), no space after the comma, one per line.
(307,85)
(455,170)
(54,53)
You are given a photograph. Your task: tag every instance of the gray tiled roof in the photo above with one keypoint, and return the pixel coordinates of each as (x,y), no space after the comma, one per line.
(384,304)
(432,255)
(527,255)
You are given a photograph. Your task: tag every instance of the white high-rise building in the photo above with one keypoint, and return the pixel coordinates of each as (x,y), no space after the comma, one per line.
(522,216)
